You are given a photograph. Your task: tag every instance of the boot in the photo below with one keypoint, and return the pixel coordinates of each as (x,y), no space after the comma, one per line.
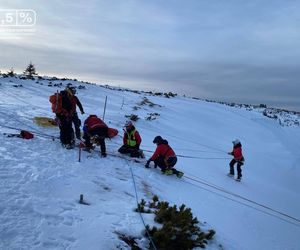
(179,174)
(69,146)
(168,172)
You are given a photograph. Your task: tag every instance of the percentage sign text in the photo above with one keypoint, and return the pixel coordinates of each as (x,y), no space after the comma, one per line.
(26,17)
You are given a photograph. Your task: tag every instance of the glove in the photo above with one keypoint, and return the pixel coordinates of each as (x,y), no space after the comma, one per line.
(147,164)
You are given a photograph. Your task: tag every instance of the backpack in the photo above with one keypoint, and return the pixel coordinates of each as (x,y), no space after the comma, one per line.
(23,134)
(56,103)
(26,134)
(112,132)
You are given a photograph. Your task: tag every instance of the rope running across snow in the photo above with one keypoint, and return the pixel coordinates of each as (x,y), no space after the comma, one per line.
(137,202)
(273,212)
(187,156)
(286,219)
(33,130)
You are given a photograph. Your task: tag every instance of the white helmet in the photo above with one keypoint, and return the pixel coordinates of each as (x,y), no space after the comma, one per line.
(128,124)
(236,142)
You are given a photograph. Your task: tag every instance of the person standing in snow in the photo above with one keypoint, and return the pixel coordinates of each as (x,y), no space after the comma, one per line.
(164,157)
(96,130)
(75,102)
(237,158)
(131,141)
(64,119)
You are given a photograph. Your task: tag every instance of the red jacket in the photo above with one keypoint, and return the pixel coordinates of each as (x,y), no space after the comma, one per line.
(93,122)
(163,150)
(237,152)
(75,101)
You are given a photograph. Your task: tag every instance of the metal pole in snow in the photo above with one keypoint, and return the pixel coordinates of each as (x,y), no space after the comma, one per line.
(79,154)
(104,108)
(122,103)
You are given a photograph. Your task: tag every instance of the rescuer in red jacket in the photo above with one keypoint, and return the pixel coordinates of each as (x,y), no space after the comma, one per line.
(96,130)
(64,118)
(164,157)
(74,116)
(237,158)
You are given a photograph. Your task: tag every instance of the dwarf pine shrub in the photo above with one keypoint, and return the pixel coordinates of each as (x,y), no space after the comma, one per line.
(132,117)
(179,230)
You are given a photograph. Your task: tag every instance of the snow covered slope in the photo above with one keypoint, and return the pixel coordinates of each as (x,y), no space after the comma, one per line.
(41,182)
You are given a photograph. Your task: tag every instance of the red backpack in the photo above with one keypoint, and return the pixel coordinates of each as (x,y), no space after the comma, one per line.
(56,103)
(112,132)
(26,134)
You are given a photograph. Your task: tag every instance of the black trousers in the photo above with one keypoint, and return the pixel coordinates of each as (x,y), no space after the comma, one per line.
(101,132)
(77,123)
(171,161)
(239,167)
(66,130)
(133,151)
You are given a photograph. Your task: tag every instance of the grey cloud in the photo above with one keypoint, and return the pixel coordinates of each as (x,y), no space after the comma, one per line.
(246,52)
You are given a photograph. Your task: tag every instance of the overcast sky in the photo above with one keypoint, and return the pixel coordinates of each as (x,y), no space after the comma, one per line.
(242,51)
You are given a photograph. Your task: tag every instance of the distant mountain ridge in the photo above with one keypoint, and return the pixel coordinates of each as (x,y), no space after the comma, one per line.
(282,116)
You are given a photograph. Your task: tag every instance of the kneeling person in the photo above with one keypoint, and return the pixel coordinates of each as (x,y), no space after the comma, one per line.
(164,157)
(131,141)
(96,130)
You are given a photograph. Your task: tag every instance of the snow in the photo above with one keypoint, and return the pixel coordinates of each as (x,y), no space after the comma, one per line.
(41,182)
